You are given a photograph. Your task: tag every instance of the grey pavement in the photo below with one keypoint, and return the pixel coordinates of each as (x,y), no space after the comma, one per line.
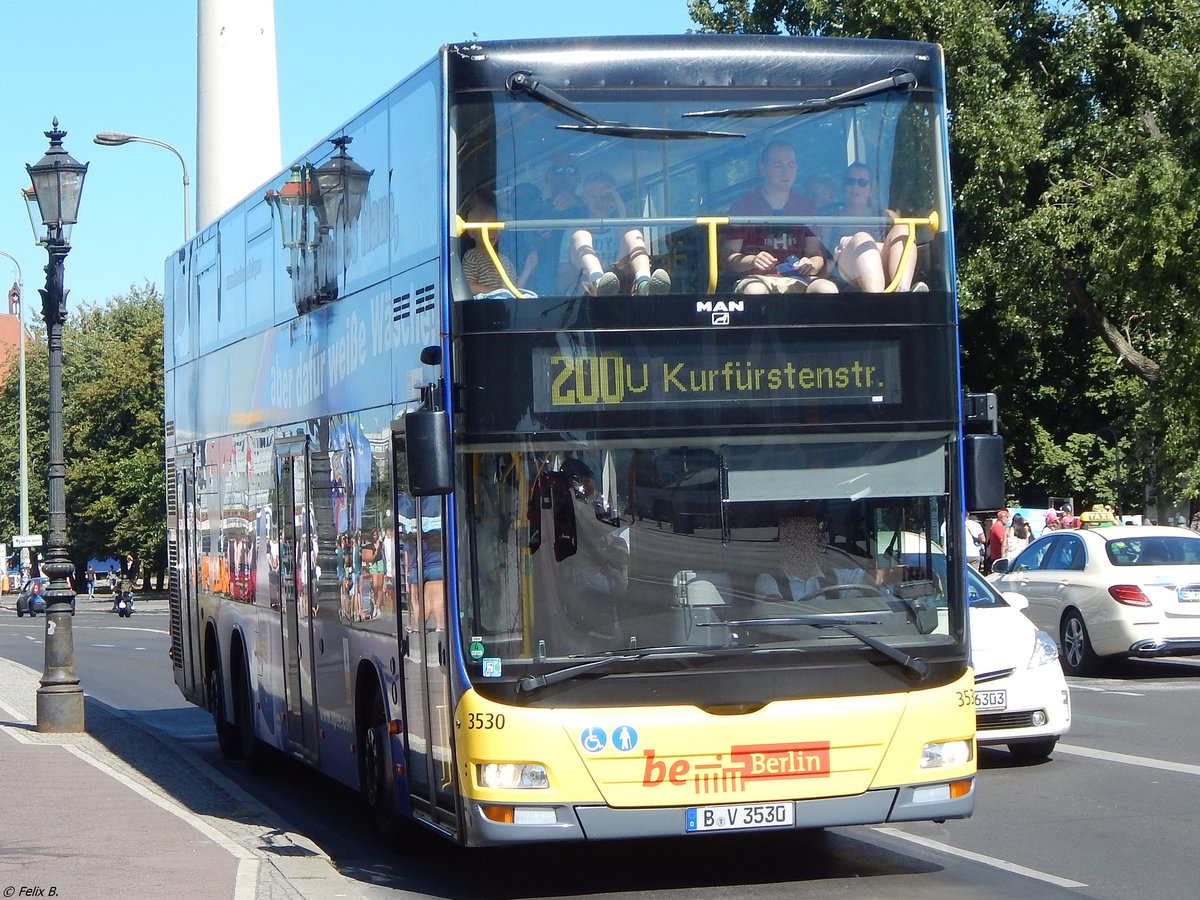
(125,811)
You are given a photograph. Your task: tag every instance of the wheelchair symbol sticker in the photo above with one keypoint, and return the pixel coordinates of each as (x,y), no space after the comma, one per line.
(593,740)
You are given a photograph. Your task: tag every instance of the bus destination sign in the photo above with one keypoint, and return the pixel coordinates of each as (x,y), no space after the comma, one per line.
(811,372)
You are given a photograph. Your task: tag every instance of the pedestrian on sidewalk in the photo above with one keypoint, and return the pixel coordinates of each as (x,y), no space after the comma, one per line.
(90,577)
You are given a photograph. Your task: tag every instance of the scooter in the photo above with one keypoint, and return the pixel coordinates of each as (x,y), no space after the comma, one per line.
(124,605)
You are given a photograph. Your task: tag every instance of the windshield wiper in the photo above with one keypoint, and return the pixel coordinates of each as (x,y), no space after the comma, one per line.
(899,80)
(525,83)
(531,683)
(914,665)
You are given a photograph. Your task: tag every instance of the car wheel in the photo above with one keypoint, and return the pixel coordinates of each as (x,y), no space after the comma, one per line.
(20,613)
(1075,648)
(1032,751)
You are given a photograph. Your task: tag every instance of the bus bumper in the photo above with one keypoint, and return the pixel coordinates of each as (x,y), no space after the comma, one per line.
(587,822)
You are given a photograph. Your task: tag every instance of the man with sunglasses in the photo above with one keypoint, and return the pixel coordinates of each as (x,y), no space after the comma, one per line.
(868,258)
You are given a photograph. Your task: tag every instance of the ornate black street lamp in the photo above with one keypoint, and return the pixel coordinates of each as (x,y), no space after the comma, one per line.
(57,186)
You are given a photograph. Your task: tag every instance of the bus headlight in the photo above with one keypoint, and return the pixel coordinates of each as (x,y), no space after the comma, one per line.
(945,754)
(513,775)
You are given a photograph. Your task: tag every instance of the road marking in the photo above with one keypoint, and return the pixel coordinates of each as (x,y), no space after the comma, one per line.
(104,645)
(1144,761)
(1100,690)
(980,858)
(1100,720)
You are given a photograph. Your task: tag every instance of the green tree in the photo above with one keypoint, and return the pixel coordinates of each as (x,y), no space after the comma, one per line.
(113,430)
(1074,154)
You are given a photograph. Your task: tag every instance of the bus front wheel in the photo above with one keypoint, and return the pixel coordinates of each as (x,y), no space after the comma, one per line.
(378,784)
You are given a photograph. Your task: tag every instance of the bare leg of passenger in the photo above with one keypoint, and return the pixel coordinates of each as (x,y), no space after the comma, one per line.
(893,255)
(860,264)
(583,254)
(591,273)
(821,286)
(633,248)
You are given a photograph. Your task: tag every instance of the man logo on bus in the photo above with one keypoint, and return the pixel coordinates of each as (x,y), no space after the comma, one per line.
(745,765)
(720,309)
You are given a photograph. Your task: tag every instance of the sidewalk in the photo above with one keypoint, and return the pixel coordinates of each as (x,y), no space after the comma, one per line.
(123,811)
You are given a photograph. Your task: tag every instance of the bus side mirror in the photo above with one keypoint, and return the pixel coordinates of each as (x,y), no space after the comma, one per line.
(430,461)
(983,471)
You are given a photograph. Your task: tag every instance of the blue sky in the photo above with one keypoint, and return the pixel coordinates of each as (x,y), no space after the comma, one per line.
(130,65)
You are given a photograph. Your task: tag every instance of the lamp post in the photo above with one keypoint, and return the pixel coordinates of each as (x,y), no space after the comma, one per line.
(57,186)
(23,432)
(117,139)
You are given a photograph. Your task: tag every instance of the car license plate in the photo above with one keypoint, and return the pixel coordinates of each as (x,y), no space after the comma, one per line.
(741,815)
(991,701)
(1189,594)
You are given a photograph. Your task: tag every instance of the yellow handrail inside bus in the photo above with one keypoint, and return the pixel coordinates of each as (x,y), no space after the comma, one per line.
(711,223)
(910,242)
(485,235)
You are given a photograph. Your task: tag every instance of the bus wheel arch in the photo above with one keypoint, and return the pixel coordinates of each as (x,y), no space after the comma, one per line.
(214,690)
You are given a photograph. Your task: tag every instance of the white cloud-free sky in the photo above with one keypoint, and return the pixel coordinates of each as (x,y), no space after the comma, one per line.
(130,65)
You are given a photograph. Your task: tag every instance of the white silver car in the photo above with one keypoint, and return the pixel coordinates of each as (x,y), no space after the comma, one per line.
(1021,697)
(1128,590)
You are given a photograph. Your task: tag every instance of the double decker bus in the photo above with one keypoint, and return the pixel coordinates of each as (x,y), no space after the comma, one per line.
(534,563)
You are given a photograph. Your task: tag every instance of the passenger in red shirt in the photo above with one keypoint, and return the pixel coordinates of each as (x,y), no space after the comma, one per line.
(996,535)
(776,259)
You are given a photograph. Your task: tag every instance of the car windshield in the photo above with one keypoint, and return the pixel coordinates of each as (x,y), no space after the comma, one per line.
(1168,550)
(982,595)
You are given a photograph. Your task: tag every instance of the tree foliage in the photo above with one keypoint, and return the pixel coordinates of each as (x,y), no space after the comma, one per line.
(1075,154)
(113,430)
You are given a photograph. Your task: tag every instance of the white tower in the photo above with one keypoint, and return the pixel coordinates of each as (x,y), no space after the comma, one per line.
(237,102)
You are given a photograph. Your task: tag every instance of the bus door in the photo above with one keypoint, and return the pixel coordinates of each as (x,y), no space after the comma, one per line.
(296,577)
(185,612)
(428,705)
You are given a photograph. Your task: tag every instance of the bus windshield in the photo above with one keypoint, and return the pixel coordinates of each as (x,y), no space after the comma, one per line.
(583,552)
(532,165)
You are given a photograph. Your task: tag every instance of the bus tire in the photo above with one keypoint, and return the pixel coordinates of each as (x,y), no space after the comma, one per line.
(251,750)
(375,771)
(227,734)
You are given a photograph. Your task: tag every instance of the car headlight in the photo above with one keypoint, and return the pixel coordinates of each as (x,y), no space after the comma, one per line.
(1044,650)
(513,775)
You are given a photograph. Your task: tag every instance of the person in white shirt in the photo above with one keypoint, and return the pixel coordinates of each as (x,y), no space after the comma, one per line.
(975,541)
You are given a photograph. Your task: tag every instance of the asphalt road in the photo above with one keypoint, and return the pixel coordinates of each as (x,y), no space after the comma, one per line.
(1114,814)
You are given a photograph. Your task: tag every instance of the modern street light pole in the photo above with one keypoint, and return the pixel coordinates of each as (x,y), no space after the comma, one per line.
(23,431)
(57,186)
(117,139)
